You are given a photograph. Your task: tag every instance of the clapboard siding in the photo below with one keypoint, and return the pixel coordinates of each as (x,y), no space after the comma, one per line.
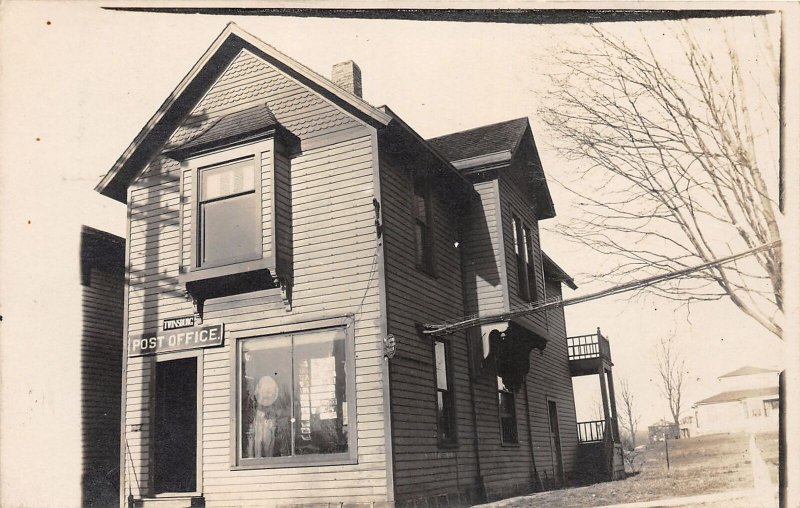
(423,469)
(484,278)
(327,193)
(101,378)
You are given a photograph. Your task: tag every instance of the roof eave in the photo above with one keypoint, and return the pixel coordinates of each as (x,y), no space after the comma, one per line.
(556,272)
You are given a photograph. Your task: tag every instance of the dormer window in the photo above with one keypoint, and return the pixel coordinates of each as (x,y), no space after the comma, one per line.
(230,214)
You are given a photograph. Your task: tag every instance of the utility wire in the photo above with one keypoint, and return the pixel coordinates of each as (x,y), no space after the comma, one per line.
(534,307)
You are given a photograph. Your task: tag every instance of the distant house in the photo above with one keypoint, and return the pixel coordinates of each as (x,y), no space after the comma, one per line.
(749,402)
(661,430)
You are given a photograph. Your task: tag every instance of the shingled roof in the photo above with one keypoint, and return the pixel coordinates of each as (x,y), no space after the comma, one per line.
(243,123)
(498,137)
(747,371)
(735,395)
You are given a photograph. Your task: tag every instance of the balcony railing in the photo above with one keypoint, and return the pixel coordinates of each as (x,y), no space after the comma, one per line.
(588,346)
(591,432)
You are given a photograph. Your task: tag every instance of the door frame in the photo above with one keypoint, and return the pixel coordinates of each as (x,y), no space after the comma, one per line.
(557,455)
(165,357)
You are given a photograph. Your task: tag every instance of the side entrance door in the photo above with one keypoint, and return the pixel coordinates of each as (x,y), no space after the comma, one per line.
(555,442)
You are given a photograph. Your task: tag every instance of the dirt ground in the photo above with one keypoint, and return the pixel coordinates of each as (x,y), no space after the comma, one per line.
(699,465)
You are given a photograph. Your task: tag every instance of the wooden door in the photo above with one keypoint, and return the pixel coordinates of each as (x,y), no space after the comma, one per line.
(555,443)
(175,427)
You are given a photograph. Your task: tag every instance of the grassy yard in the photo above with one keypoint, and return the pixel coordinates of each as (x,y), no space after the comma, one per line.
(700,465)
(767,442)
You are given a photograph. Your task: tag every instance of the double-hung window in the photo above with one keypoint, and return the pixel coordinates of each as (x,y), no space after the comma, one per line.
(295,399)
(523,252)
(423,226)
(445,399)
(521,255)
(229,226)
(508,413)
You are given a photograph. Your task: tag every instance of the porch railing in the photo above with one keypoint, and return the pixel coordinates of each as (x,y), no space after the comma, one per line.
(588,346)
(591,432)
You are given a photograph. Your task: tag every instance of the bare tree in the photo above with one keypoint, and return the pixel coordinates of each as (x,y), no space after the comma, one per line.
(675,159)
(629,418)
(671,367)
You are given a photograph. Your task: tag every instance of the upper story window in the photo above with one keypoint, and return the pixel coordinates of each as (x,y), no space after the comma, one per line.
(423,226)
(521,255)
(531,271)
(508,413)
(445,398)
(235,218)
(229,210)
(524,254)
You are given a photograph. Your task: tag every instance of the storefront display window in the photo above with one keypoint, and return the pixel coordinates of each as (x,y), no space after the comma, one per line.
(293,396)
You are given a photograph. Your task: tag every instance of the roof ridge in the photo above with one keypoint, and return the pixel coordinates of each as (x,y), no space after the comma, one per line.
(479,127)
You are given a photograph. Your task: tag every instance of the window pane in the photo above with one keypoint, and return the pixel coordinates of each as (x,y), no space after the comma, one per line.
(266,405)
(526,234)
(420,202)
(420,253)
(231,229)
(441,366)
(227,179)
(320,387)
(514,229)
(509,429)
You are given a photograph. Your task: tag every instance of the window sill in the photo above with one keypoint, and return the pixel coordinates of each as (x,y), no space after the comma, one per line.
(295,462)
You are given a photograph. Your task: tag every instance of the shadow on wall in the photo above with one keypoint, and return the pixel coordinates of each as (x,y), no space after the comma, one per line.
(102,258)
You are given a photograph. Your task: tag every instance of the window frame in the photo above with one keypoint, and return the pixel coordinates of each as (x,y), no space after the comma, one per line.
(531,264)
(428,263)
(500,415)
(452,440)
(196,164)
(520,254)
(351,455)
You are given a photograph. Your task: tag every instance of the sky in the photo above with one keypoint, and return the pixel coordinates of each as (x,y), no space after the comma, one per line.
(79,82)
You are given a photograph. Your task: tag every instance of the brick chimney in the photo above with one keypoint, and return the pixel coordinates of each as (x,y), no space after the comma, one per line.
(347,75)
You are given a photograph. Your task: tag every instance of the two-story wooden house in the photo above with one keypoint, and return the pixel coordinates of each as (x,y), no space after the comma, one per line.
(287,245)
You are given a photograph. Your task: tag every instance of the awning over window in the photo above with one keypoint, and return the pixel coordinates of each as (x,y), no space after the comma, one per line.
(243,125)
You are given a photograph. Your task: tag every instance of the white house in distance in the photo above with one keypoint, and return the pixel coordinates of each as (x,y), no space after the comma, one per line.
(748,402)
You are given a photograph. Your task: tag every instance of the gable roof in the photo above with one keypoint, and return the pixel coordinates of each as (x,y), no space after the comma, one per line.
(486,148)
(487,139)
(221,52)
(735,395)
(747,371)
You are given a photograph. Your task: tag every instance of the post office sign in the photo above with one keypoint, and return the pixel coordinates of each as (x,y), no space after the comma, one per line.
(176,340)
(181,322)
